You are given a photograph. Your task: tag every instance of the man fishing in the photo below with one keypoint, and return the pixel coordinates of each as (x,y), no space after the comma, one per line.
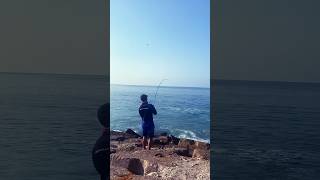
(146,112)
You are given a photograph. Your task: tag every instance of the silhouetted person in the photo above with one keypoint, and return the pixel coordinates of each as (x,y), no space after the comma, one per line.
(100,152)
(146,112)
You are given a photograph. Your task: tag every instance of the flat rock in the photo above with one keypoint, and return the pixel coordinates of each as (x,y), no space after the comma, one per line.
(127,147)
(175,159)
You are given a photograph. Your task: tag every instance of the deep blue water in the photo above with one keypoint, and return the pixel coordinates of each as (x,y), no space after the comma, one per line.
(48,125)
(183,112)
(266,130)
(261,130)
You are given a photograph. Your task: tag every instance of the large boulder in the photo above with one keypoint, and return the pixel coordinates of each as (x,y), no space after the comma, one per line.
(134,165)
(201,154)
(132,133)
(186,143)
(202,145)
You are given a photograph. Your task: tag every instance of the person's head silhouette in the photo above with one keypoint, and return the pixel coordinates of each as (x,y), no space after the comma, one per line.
(104,114)
(144,98)
(100,152)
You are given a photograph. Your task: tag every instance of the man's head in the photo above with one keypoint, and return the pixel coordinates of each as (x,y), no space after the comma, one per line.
(104,114)
(144,98)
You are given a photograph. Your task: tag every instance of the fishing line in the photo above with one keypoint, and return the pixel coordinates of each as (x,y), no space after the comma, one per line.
(155,95)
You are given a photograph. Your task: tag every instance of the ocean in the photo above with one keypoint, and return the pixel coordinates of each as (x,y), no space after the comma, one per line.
(182,111)
(48,125)
(266,130)
(261,130)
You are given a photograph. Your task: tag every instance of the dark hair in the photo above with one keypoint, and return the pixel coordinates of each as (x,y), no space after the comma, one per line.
(104,114)
(144,97)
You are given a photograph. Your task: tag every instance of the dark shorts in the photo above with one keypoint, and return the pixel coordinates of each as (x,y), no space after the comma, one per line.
(148,131)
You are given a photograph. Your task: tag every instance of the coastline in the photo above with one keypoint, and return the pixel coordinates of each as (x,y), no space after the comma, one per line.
(169,158)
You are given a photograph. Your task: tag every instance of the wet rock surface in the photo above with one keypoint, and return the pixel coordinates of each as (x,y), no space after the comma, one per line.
(169,158)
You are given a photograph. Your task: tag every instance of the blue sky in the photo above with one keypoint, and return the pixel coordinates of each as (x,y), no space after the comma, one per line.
(151,40)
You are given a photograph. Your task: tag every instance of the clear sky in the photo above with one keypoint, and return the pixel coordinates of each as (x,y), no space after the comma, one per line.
(151,40)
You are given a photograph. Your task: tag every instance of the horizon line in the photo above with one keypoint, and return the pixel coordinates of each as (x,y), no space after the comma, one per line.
(200,87)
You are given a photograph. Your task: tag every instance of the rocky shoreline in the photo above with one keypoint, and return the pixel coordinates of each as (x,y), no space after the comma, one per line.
(170,158)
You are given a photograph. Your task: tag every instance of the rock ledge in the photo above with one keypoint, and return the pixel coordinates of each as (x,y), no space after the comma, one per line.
(169,158)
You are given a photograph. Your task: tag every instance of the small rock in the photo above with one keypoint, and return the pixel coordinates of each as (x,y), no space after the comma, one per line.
(195,165)
(112,151)
(156,141)
(174,140)
(182,151)
(113,146)
(153,174)
(163,139)
(174,164)
(150,167)
(186,143)
(135,166)
(138,144)
(159,155)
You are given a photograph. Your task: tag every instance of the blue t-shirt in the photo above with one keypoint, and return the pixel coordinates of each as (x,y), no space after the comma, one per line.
(146,112)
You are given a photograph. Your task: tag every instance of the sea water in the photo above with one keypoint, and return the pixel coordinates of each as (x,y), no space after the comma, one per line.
(182,111)
(261,130)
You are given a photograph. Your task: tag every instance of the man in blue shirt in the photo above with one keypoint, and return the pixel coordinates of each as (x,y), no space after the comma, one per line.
(146,112)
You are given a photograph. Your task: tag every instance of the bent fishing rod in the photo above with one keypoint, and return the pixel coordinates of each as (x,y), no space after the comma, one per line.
(155,96)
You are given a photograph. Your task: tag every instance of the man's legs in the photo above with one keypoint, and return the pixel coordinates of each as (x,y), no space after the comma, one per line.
(150,134)
(149,142)
(144,142)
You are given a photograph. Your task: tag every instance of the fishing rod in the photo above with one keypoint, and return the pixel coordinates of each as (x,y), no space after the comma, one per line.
(155,95)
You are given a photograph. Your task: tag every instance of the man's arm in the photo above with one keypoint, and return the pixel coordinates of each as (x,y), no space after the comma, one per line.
(154,111)
(140,112)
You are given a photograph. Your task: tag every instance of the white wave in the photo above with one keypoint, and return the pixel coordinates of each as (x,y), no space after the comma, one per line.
(173,108)
(181,133)
(117,130)
(192,110)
